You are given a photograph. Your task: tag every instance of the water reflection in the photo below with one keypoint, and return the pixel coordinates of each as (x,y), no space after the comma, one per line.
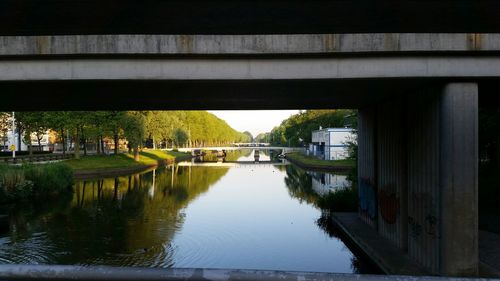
(250,216)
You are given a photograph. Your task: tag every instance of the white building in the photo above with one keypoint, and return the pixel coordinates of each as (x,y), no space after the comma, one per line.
(331,143)
(6,142)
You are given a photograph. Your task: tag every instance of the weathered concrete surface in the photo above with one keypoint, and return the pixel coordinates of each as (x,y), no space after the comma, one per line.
(246,44)
(458,179)
(249,68)
(383,252)
(436,167)
(60,272)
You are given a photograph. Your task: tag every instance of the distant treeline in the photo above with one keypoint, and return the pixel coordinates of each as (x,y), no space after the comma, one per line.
(136,128)
(297,129)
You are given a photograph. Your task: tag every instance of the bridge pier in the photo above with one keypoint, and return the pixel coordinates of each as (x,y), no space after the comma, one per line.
(418,175)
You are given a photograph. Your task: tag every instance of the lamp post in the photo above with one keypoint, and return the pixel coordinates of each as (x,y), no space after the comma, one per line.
(13,146)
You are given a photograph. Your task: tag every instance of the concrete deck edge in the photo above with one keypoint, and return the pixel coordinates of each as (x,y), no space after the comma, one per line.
(247,44)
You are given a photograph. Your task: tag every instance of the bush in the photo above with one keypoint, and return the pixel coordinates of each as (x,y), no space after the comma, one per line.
(49,179)
(13,184)
(342,200)
(24,182)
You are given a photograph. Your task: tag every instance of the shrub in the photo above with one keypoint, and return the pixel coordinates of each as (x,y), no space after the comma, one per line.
(49,179)
(13,184)
(342,200)
(23,182)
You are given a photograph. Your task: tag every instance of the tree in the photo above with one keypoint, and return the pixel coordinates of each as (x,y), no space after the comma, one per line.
(32,122)
(181,136)
(297,129)
(247,136)
(133,125)
(5,125)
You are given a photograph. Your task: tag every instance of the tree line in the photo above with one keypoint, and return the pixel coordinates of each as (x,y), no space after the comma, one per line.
(137,128)
(297,129)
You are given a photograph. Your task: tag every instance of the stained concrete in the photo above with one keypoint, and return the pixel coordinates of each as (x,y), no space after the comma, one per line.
(387,256)
(282,44)
(375,67)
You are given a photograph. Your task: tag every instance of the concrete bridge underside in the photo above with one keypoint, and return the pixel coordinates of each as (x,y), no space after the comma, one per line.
(418,97)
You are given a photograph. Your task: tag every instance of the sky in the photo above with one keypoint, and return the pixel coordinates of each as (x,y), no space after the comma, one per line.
(254,121)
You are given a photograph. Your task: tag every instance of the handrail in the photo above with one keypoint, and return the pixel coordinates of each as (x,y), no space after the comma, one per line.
(35,158)
(92,273)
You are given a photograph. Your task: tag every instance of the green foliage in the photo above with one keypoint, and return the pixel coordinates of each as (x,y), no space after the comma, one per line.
(146,157)
(342,200)
(13,184)
(137,128)
(49,179)
(195,128)
(25,182)
(297,129)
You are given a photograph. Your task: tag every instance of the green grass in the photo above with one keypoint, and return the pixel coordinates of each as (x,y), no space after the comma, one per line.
(28,181)
(146,157)
(311,161)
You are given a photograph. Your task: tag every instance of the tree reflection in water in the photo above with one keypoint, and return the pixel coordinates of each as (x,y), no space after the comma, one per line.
(116,221)
(300,186)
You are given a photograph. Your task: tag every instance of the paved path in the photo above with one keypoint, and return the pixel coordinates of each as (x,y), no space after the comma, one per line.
(394,261)
(389,258)
(489,252)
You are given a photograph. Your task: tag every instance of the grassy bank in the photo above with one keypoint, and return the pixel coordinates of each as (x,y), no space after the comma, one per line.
(28,181)
(126,160)
(311,162)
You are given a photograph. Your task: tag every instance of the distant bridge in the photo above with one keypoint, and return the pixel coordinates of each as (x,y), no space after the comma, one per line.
(221,148)
(231,164)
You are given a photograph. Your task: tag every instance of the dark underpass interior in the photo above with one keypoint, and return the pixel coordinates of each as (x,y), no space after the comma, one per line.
(229,94)
(66,17)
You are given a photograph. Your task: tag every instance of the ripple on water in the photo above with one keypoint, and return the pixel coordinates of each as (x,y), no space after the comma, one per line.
(201,247)
(36,249)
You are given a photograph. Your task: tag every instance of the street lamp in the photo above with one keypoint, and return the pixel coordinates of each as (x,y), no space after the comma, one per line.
(12,145)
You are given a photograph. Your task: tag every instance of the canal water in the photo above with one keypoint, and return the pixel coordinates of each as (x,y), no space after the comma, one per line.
(207,213)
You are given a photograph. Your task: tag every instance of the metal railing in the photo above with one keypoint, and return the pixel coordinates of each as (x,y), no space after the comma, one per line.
(35,158)
(91,273)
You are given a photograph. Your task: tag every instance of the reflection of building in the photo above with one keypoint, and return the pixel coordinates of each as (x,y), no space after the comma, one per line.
(331,143)
(324,183)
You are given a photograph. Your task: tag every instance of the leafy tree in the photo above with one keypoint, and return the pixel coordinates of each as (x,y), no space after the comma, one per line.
(297,129)
(5,125)
(133,126)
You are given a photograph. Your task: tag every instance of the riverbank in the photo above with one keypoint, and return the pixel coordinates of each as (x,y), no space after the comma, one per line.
(18,183)
(116,165)
(310,162)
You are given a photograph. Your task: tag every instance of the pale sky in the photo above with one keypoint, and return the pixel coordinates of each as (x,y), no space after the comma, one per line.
(254,121)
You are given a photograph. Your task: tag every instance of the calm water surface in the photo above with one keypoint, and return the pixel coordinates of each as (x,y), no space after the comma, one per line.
(208,215)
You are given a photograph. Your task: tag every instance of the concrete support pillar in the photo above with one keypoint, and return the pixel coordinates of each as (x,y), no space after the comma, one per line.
(418,176)
(391,172)
(459,179)
(442,179)
(367,181)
